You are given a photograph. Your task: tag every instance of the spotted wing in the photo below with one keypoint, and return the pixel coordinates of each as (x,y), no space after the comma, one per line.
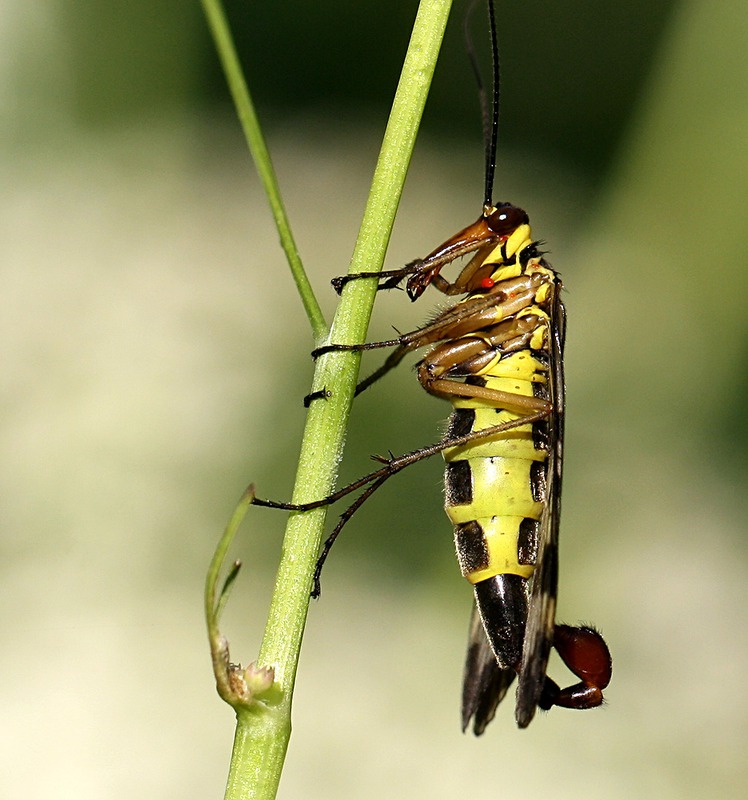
(541,615)
(484,682)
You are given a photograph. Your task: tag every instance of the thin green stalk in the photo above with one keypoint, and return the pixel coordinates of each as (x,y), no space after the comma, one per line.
(250,124)
(264,719)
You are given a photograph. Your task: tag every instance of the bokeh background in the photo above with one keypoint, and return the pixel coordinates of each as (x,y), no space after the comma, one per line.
(155,356)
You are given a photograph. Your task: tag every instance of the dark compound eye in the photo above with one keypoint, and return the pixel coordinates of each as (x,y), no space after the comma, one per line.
(506,219)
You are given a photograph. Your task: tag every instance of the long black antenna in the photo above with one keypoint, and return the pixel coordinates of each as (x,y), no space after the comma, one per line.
(492,141)
(490,120)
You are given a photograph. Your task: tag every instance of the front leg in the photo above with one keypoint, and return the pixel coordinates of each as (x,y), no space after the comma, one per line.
(389,279)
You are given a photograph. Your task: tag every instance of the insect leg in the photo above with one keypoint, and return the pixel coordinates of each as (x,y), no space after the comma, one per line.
(444,370)
(393,465)
(422,272)
(375,479)
(479,313)
(390,279)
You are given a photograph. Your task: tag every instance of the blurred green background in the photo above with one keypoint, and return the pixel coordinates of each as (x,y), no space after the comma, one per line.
(155,357)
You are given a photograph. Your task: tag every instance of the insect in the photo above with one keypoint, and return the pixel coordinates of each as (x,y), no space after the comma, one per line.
(497,357)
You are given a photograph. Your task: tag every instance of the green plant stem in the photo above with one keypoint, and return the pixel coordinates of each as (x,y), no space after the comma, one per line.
(263,729)
(338,371)
(253,133)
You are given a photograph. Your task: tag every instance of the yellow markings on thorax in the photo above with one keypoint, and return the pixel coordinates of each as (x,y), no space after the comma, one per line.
(510,247)
(518,240)
(513,270)
(540,335)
